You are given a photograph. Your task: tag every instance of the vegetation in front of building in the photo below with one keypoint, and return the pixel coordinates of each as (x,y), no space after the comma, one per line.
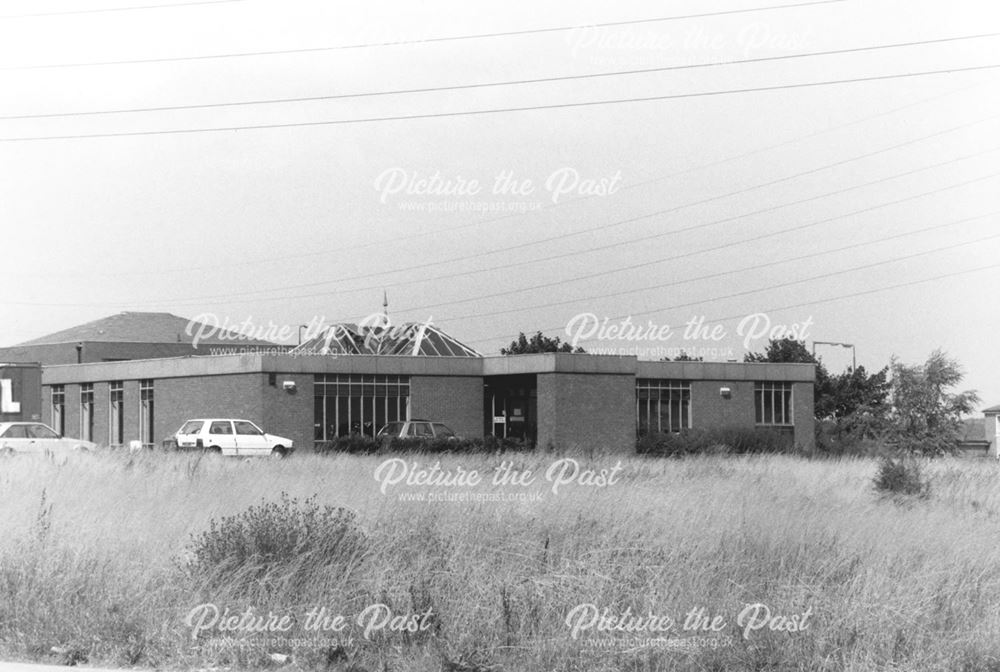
(105,569)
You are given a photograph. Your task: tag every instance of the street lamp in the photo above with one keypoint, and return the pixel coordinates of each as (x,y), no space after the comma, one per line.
(301,327)
(854,358)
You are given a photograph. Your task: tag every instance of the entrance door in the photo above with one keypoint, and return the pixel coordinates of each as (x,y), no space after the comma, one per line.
(511,407)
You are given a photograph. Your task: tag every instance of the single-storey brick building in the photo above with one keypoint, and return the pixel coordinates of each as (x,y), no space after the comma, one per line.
(346,382)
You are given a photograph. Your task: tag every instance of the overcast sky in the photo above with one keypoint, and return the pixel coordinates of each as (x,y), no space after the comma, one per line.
(864,210)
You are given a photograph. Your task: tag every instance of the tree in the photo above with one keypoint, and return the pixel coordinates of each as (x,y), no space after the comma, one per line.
(855,399)
(538,343)
(683,357)
(926,414)
(786,350)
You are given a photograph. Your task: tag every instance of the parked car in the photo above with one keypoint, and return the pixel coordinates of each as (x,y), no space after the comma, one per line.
(34,437)
(415,429)
(231,436)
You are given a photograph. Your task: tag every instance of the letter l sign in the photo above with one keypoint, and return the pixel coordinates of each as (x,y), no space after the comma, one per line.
(7,403)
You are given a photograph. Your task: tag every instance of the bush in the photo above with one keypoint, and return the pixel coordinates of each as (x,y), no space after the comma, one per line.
(354,444)
(737,440)
(901,476)
(365,445)
(274,538)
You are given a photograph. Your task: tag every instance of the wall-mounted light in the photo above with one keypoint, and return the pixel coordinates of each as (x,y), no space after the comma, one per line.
(289,385)
(726,392)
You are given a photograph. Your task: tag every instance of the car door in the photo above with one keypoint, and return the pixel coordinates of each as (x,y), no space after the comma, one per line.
(220,433)
(421,430)
(15,438)
(250,439)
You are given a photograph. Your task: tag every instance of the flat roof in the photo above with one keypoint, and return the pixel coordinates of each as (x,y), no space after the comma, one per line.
(499,365)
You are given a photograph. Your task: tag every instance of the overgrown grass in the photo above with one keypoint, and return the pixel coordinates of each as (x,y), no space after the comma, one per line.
(96,558)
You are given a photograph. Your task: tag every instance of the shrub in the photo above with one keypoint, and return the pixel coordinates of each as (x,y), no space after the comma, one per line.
(736,440)
(354,444)
(366,445)
(901,476)
(274,538)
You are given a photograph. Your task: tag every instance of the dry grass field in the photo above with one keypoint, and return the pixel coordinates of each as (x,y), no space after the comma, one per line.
(98,566)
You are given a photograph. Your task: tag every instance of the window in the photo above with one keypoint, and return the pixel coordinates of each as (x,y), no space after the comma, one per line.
(87,411)
(221,427)
(116,413)
(41,432)
(146,432)
(773,402)
(442,430)
(247,428)
(191,427)
(358,404)
(59,408)
(662,405)
(420,429)
(16,432)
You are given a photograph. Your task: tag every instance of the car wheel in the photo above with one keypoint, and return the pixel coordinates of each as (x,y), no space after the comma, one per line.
(215,449)
(279,451)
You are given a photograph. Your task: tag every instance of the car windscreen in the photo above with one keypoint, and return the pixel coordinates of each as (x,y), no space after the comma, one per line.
(190,427)
(442,430)
(392,429)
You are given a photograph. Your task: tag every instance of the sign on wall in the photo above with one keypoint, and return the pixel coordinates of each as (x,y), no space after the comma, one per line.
(7,402)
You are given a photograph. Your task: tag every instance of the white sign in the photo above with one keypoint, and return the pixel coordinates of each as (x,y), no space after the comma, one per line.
(499,419)
(7,403)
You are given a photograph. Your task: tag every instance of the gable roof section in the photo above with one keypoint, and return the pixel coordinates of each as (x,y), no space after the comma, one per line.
(136,327)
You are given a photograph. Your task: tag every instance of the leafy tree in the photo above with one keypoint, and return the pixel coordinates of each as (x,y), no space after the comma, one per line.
(683,357)
(926,414)
(785,350)
(538,343)
(855,399)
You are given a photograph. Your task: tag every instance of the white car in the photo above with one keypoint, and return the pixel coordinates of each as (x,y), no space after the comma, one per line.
(34,437)
(231,436)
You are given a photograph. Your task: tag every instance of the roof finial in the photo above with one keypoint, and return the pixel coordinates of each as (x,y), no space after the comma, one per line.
(385,304)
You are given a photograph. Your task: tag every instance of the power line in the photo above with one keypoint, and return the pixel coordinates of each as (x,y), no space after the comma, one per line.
(503,110)
(572,253)
(674,283)
(115,9)
(514,82)
(791,306)
(798,227)
(549,206)
(431,40)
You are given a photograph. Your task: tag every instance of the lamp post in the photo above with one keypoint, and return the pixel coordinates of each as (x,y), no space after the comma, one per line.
(854,356)
(301,327)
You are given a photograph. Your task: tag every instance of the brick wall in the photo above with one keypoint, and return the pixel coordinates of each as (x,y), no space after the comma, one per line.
(592,412)
(709,409)
(101,391)
(457,401)
(804,413)
(289,413)
(179,399)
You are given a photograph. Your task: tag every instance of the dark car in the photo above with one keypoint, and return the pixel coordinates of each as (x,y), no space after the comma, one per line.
(415,429)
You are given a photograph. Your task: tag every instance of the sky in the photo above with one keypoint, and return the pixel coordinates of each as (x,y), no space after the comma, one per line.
(719,188)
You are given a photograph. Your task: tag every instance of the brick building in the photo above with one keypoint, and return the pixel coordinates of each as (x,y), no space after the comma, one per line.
(351,384)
